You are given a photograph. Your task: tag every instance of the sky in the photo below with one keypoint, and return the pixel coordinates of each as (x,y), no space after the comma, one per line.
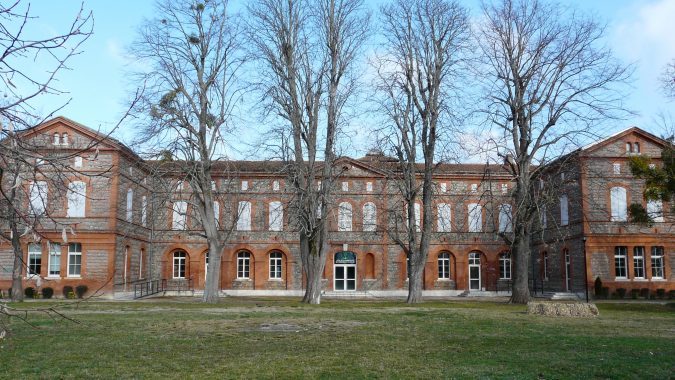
(98,89)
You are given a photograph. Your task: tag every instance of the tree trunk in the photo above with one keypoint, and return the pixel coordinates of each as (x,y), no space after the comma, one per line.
(314,265)
(212,286)
(521,257)
(17,269)
(415,280)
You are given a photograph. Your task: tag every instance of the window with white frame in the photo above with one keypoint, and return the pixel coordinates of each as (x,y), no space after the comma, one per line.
(213,185)
(74,259)
(57,139)
(345,186)
(444,217)
(620,262)
(505,266)
(629,147)
(76,196)
(418,217)
(77,163)
(275,265)
(444,187)
(38,197)
(657,263)
(475,219)
(244,216)
(216,213)
(655,210)
(130,205)
(34,258)
(369,217)
(639,262)
(144,211)
(616,168)
(618,207)
(276,216)
(54,259)
(505,218)
(140,263)
(179,186)
(474,187)
(505,188)
(243,265)
(64,139)
(564,211)
(179,219)
(344,216)
(636,147)
(244,185)
(179,262)
(369,187)
(275,186)
(206,265)
(444,266)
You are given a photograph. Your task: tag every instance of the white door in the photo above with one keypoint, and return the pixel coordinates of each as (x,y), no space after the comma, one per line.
(474,271)
(344,271)
(568,280)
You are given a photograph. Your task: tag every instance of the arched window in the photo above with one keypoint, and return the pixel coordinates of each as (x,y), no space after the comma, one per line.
(444,266)
(64,139)
(244,216)
(444,217)
(475,217)
(57,139)
(618,208)
(130,205)
(179,220)
(276,216)
(505,266)
(345,216)
(77,193)
(276,259)
(370,265)
(505,218)
(179,259)
(369,216)
(636,147)
(243,265)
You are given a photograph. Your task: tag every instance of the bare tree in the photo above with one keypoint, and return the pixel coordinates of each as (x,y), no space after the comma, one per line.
(547,82)
(25,171)
(186,110)
(668,79)
(424,42)
(308,52)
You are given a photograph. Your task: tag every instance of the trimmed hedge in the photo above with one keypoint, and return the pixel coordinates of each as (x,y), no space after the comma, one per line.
(80,290)
(67,291)
(47,292)
(29,292)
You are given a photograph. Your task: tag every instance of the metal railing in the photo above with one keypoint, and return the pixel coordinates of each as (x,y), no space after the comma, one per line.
(148,288)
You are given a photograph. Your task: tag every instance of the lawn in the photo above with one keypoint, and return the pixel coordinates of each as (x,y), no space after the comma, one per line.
(281,338)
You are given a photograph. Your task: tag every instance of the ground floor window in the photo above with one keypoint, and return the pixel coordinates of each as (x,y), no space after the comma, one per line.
(179,264)
(505,266)
(657,262)
(639,262)
(34,258)
(243,265)
(620,265)
(74,259)
(275,265)
(444,266)
(54,259)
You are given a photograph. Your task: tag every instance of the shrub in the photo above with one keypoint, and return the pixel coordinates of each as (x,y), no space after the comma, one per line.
(644,293)
(1,295)
(621,292)
(29,292)
(80,290)
(67,290)
(47,292)
(661,293)
(598,287)
(671,295)
(605,292)
(634,293)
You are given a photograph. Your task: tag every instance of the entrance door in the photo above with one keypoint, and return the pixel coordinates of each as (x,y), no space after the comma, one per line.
(474,271)
(344,278)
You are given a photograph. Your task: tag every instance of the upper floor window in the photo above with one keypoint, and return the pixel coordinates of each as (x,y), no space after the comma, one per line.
(618,207)
(369,216)
(505,266)
(76,195)
(629,147)
(636,147)
(130,204)
(444,266)
(620,262)
(474,187)
(144,211)
(216,213)
(657,263)
(543,219)
(505,218)
(64,139)
(213,186)
(655,210)
(77,163)
(345,186)
(275,185)
(444,187)
(244,216)
(244,185)
(616,168)
(57,139)
(475,217)
(243,265)
(444,217)
(38,197)
(179,219)
(369,187)
(564,211)
(505,188)
(344,216)
(276,215)
(418,216)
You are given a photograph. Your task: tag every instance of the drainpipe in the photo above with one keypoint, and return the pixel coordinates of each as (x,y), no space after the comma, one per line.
(585,269)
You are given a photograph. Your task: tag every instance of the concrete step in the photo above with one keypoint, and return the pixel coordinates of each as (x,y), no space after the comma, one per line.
(121,296)
(564,296)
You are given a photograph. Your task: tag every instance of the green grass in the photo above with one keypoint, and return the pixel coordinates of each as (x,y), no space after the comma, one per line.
(281,338)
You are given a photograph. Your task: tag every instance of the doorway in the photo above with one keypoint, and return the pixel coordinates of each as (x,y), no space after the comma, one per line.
(344,276)
(474,271)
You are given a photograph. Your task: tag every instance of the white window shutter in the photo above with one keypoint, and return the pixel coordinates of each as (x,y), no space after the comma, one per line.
(276,215)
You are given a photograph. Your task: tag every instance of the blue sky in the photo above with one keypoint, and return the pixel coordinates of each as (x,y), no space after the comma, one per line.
(639,31)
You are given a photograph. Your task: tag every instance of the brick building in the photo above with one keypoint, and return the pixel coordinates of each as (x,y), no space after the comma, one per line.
(132,225)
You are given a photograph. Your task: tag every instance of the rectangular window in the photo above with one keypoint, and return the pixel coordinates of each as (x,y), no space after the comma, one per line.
(639,262)
(444,217)
(657,263)
(54,259)
(505,218)
(655,210)
(475,217)
(275,265)
(130,205)
(369,187)
(275,186)
(243,265)
(34,258)
(564,211)
(244,185)
(144,211)
(474,187)
(345,186)
(444,187)
(620,262)
(505,188)
(543,218)
(76,195)
(616,168)
(276,214)
(179,219)
(74,259)
(77,162)
(38,197)
(618,207)
(244,216)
